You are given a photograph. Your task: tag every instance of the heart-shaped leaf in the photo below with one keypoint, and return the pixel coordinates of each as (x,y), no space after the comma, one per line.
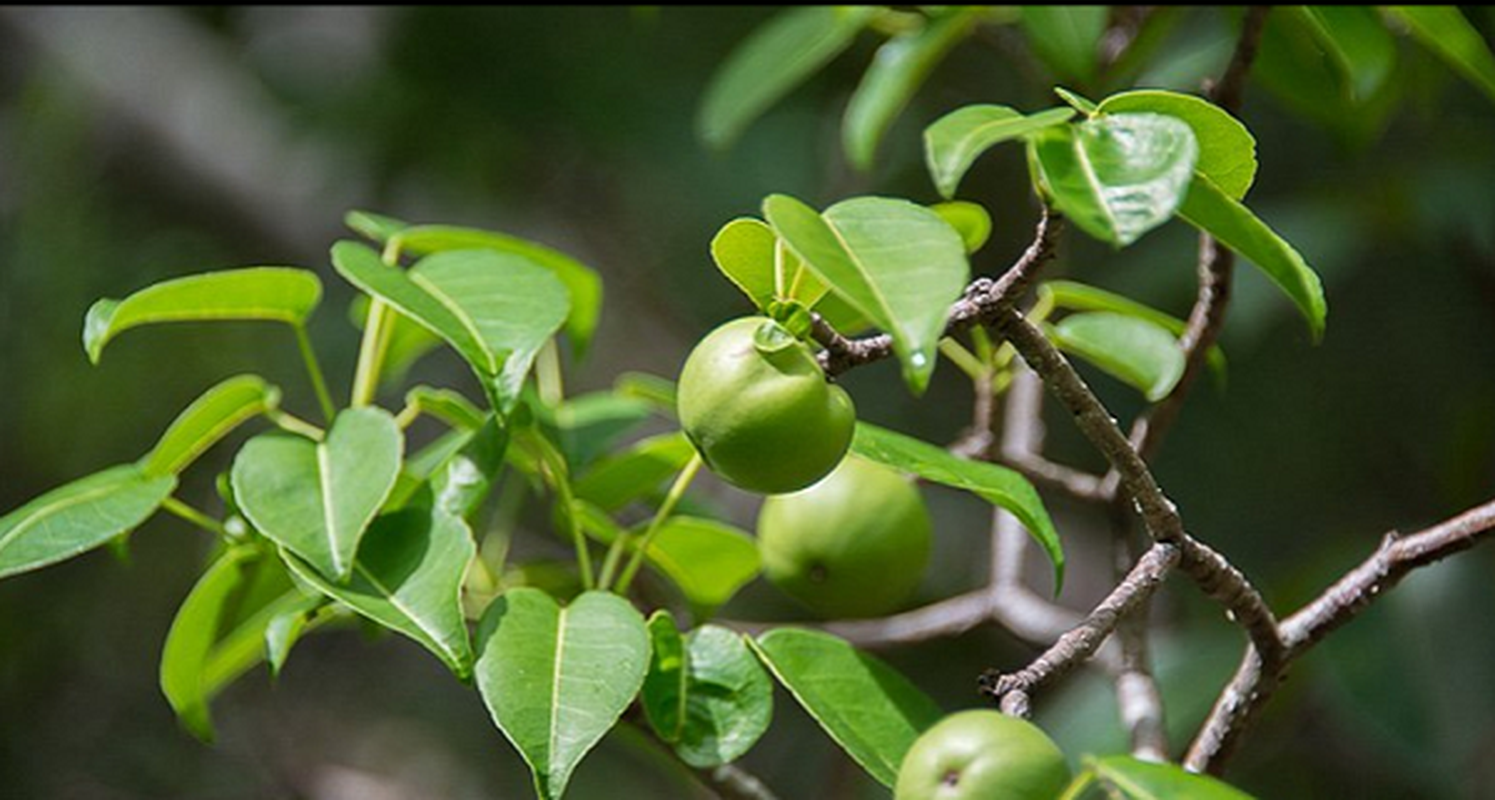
(79,516)
(316,499)
(277,294)
(994,483)
(1141,354)
(706,693)
(210,417)
(898,264)
(866,706)
(556,679)
(954,142)
(497,309)
(1117,176)
(408,578)
(1227,151)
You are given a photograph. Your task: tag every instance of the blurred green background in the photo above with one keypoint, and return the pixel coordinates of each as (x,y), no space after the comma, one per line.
(140,144)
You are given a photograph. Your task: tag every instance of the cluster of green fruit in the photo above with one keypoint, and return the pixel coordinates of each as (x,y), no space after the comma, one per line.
(845,536)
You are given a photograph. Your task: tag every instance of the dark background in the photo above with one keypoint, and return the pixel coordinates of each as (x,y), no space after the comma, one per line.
(140,144)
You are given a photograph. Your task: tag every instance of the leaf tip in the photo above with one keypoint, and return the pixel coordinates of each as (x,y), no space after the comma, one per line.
(96,325)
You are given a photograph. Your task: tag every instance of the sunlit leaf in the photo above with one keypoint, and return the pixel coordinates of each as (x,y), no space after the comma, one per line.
(1141,354)
(1134,779)
(954,142)
(619,479)
(1227,151)
(706,693)
(969,219)
(1083,297)
(79,516)
(210,417)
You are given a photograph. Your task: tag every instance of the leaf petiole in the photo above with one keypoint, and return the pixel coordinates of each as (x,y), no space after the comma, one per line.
(376,336)
(677,491)
(195,517)
(293,424)
(314,368)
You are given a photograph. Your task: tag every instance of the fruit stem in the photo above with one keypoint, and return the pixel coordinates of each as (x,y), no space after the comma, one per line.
(677,490)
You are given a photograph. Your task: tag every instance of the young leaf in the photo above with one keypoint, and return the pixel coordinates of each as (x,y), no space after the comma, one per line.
(79,516)
(1134,779)
(583,284)
(1227,151)
(408,578)
(276,294)
(706,559)
(897,70)
(316,499)
(496,309)
(667,682)
(1363,52)
(1214,212)
(1135,351)
(969,219)
(374,227)
(209,418)
(1117,176)
(193,633)
(617,480)
(588,425)
(772,61)
(1077,101)
(744,253)
(1067,38)
(954,142)
(991,482)
(556,679)
(447,405)
(706,694)
(897,263)
(1083,297)
(866,706)
(1445,31)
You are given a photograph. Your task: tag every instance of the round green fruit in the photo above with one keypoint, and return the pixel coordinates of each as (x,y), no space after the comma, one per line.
(982,755)
(853,545)
(758,408)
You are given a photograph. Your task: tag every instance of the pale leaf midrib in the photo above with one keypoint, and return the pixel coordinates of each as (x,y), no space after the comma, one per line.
(327,498)
(468,324)
(555,694)
(51,508)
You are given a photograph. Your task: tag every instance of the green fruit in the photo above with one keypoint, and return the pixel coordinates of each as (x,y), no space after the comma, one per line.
(982,755)
(853,545)
(758,408)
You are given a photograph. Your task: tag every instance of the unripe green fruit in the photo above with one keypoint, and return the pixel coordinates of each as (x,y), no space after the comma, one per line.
(762,415)
(982,755)
(853,545)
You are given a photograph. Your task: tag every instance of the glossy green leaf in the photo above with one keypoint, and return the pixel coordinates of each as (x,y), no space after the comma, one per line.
(588,425)
(899,264)
(210,417)
(866,706)
(1067,38)
(425,462)
(991,482)
(1445,31)
(898,69)
(408,578)
(496,309)
(1137,352)
(969,219)
(317,498)
(462,481)
(192,635)
(1134,779)
(1077,101)
(665,686)
(1117,176)
(773,60)
(583,284)
(556,679)
(1212,211)
(706,693)
(709,561)
(79,516)
(375,227)
(276,294)
(1227,151)
(1362,50)
(743,251)
(285,628)
(447,405)
(1083,297)
(617,480)
(408,341)
(954,142)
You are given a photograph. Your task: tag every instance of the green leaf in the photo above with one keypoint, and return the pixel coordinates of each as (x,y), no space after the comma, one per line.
(897,71)
(1227,151)
(587,425)
(496,309)
(706,693)
(1445,31)
(866,706)
(463,480)
(447,405)
(709,561)
(899,264)
(1363,51)
(556,679)
(79,516)
(1077,101)
(1083,297)
(408,578)
(284,629)
(1067,38)
(1117,176)
(1144,780)
(1215,213)
(969,219)
(665,686)
(375,227)
(991,482)
(276,294)
(192,635)
(954,142)
(317,498)
(1137,352)
(209,418)
(773,60)
(408,341)
(744,251)
(583,284)
(617,480)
